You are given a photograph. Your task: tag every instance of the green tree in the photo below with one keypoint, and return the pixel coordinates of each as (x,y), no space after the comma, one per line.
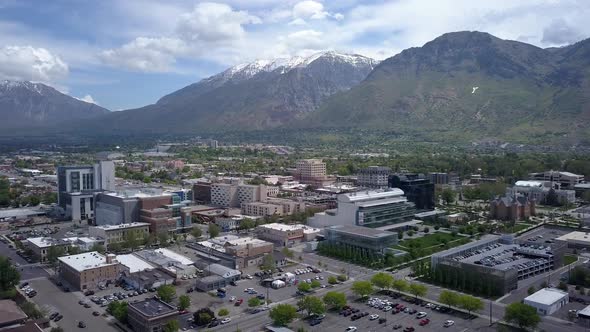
(332,280)
(451,299)
(74,250)
(335,300)
(119,310)
(98,247)
(448,196)
(196,232)
(130,240)
(184,302)
(254,302)
(470,303)
(247,224)
(9,275)
(282,314)
(288,253)
(166,293)
(418,290)
(342,277)
(304,287)
(213,230)
(531,290)
(315,284)
(382,280)
(223,312)
(163,239)
(362,288)
(400,235)
(31,310)
(312,305)
(53,253)
(399,285)
(522,314)
(172,326)
(268,262)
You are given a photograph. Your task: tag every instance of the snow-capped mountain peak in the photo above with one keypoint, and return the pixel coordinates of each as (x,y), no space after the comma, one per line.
(284,65)
(7,86)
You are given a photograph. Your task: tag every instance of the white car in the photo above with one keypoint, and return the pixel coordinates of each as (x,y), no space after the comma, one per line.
(351,329)
(373,317)
(421,314)
(225,320)
(248,289)
(449,323)
(231,299)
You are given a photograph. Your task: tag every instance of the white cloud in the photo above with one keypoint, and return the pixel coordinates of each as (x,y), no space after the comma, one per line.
(88,99)
(214,23)
(26,63)
(146,54)
(309,9)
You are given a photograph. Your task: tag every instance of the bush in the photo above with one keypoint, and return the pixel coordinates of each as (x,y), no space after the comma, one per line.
(342,278)
(222,312)
(332,280)
(436,228)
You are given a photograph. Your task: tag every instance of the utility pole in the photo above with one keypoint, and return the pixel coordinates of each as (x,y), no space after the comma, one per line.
(491,313)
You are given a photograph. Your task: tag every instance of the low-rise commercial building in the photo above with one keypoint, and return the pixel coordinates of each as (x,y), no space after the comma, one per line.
(150,315)
(168,261)
(566,180)
(40,245)
(286,235)
(119,233)
(576,240)
(89,270)
(233,251)
(547,300)
(360,239)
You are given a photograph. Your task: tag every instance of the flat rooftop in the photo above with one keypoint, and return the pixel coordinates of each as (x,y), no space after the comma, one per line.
(152,307)
(85,261)
(175,256)
(122,226)
(293,227)
(134,263)
(361,231)
(19,213)
(546,296)
(576,237)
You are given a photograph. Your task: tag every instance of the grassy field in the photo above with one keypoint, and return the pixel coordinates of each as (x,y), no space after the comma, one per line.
(432,243)
(568,259)
(519,227)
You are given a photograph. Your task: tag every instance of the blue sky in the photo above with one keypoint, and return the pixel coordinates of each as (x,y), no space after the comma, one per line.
(125,54)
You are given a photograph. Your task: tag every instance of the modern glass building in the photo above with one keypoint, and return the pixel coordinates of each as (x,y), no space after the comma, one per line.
(371,241)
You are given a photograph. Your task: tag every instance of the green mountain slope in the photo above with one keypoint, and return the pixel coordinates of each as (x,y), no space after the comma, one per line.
(523,92)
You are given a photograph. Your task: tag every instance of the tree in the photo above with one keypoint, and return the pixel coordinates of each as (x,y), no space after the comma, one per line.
(448,196)
(53,253)
(451,299)
(196,232)
(312,305)
(130,240)
(315,284)
(417,290)
(184,302)
(246,224)
(563,286)
(268,262)
(163,239)
(426,230)
(362,288)
(335,300)
(531,290)
(400,235)
(9,275)
(470,303)
(342,277)
(382,280)
(332,280)
(254,302)
(213,230)
(73,250)
(119,310)
(203,316)
(399,285)
(282,314)
(172,326)
(524,315)
(288,253)
(166,293)
(223,312)
(304,287)
(98,247)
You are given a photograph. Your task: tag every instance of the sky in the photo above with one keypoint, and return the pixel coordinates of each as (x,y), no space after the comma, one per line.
(124,54)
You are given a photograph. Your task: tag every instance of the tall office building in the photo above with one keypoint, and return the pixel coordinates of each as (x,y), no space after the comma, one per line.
(78,184)
(417,188)
(311,171)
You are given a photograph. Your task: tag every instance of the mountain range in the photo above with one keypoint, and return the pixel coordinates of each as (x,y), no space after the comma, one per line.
(29,105)
(459,86)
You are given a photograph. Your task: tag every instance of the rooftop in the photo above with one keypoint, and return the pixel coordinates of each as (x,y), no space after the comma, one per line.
(361,231)
(223,271)
(576,237)
(134,263)
(175,256)
(546,296)
(152,307)
(370,195)
(529,184)
(122,226)
(85,261)
(293,227)
(10,312)
(21,212)
(44,242)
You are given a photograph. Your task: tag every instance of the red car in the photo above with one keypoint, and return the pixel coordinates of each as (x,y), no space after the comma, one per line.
(239,302)
(424,321)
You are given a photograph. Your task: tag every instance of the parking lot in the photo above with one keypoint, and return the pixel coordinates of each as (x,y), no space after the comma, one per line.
(337,322)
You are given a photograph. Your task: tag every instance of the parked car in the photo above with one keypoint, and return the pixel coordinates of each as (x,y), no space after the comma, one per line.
(315,322)
(397,326)
(225,320)
(421,314)
(449,323)
(409,329)
(425,321)
(81,324)
(351,329)
(373,316)
(95,313)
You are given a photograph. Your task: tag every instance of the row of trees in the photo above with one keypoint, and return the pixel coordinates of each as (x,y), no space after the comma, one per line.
(463,301)
(475,280)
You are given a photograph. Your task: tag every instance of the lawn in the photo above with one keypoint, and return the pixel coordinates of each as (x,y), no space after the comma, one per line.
(568,259)
(432,243)
(518,227)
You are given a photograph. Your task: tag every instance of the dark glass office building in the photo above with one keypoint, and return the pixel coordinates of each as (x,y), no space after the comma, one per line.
(416,187)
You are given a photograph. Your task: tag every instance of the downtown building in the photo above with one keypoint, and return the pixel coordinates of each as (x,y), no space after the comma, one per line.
(374,177)
(89,270)
(77,186)
(417,188)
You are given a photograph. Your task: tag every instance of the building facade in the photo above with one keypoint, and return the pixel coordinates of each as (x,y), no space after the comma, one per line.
(512,208)
(364,240)
(374,177)
(119,233)
(417,188)
(77,185)
(286,235)
(539,191)
(234,195)
(89,270)
(566,180)
(547,300)
(40,245)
